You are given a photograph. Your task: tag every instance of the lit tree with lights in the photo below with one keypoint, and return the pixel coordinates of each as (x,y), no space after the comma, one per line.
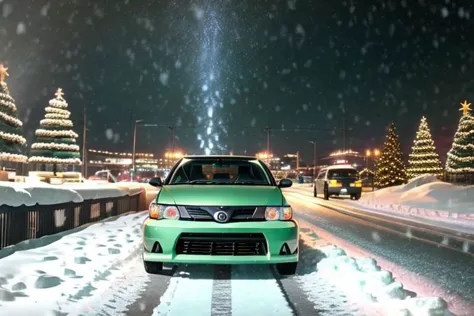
(461,156)
(423,160)
(11,141)
(390,169)
(55,140)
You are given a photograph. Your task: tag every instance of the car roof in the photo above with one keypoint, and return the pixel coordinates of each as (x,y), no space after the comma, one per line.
(339,167)
(220,157)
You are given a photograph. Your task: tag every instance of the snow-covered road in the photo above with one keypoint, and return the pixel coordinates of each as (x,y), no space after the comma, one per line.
(98,271)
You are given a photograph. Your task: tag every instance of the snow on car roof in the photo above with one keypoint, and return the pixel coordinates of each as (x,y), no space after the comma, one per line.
(340,167)
(220,156)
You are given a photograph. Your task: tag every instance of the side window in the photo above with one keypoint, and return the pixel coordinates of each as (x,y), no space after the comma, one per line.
(321,175)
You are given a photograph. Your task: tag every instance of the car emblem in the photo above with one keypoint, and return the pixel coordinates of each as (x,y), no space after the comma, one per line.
(221,217)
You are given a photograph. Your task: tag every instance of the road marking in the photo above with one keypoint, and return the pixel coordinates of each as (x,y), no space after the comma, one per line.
(189,293)
(222,291)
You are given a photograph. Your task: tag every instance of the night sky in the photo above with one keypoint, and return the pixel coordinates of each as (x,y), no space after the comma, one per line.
(223,70)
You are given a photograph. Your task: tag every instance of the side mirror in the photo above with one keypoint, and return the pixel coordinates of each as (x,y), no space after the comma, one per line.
(285,183)
(156,182)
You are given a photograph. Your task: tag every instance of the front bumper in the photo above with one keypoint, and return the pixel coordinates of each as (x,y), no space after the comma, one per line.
(167,233)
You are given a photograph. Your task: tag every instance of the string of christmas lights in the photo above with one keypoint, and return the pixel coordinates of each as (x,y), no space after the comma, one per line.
(390,169)
(11,139)
(59,149)
(461,155)
(423,160)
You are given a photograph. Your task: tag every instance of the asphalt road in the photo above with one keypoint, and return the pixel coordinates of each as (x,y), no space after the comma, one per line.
(450,270)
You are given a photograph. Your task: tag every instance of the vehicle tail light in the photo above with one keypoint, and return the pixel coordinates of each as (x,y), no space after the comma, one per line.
(278,213)
(335,183)
(171,212)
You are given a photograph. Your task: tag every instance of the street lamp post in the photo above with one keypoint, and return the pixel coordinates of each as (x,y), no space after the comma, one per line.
(314,158)
(132,175)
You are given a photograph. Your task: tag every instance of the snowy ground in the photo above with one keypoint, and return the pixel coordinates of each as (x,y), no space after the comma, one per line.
(98,271)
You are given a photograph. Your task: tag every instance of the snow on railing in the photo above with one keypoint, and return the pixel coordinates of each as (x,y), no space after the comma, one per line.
(34,217)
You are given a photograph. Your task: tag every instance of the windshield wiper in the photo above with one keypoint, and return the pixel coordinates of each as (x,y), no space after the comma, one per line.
(201,182)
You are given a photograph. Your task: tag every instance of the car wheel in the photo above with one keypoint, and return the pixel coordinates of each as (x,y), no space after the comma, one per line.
(315,192)
(153,267)
(357,196)
(326,192)
(287,268)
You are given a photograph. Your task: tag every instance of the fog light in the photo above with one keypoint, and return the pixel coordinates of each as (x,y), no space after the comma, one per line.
(285,250)
(156,248)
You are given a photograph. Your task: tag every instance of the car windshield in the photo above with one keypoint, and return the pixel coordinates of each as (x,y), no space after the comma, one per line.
(220,171)
(342,173)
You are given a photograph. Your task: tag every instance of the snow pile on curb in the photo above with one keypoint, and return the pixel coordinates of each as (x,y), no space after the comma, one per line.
(16,194)
(364,276)
(424,196)
(74,269)
(94,191)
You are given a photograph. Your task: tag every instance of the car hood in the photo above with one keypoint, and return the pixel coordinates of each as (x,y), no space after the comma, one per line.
(220,195)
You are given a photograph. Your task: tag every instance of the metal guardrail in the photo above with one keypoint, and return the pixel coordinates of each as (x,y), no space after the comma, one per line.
(29,222)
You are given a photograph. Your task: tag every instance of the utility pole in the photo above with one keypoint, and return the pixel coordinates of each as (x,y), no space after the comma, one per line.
(297,161)
(343,133)
(267,129)
(172,128)
(314,158)
(84,145)
(132,174)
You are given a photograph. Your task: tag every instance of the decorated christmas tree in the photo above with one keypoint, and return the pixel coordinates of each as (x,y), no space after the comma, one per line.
(11,141)
(55,140)
(390,169)
(461,156)
(423,159)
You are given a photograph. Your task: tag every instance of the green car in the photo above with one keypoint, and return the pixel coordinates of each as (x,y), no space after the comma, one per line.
(220,210)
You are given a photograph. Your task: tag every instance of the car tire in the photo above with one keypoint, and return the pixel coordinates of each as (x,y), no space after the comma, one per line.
(326,192)
(153,267)
(315,192)
(287,268)
(357,196)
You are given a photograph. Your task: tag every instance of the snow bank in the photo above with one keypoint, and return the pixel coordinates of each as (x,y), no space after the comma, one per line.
(17,193)
(424,196)
(94,191)
(60,277)
(364,277)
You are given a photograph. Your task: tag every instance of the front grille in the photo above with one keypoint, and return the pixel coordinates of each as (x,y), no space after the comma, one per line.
(243,213)
(222,244)
(236,213)
(199,214)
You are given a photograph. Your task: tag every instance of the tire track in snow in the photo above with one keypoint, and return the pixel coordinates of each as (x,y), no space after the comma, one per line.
(189,290)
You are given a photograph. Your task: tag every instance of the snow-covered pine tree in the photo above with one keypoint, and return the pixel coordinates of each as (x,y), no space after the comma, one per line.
(390,169)
(11,141)
(55,140)
(423,159)
(461,156)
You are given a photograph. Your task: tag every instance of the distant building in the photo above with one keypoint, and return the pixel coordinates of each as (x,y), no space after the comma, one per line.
(117,162)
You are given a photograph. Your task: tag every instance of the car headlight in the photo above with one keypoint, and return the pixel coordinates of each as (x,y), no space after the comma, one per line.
(275,213)
(159,211)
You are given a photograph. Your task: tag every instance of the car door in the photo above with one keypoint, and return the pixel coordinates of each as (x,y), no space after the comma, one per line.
(320,181)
